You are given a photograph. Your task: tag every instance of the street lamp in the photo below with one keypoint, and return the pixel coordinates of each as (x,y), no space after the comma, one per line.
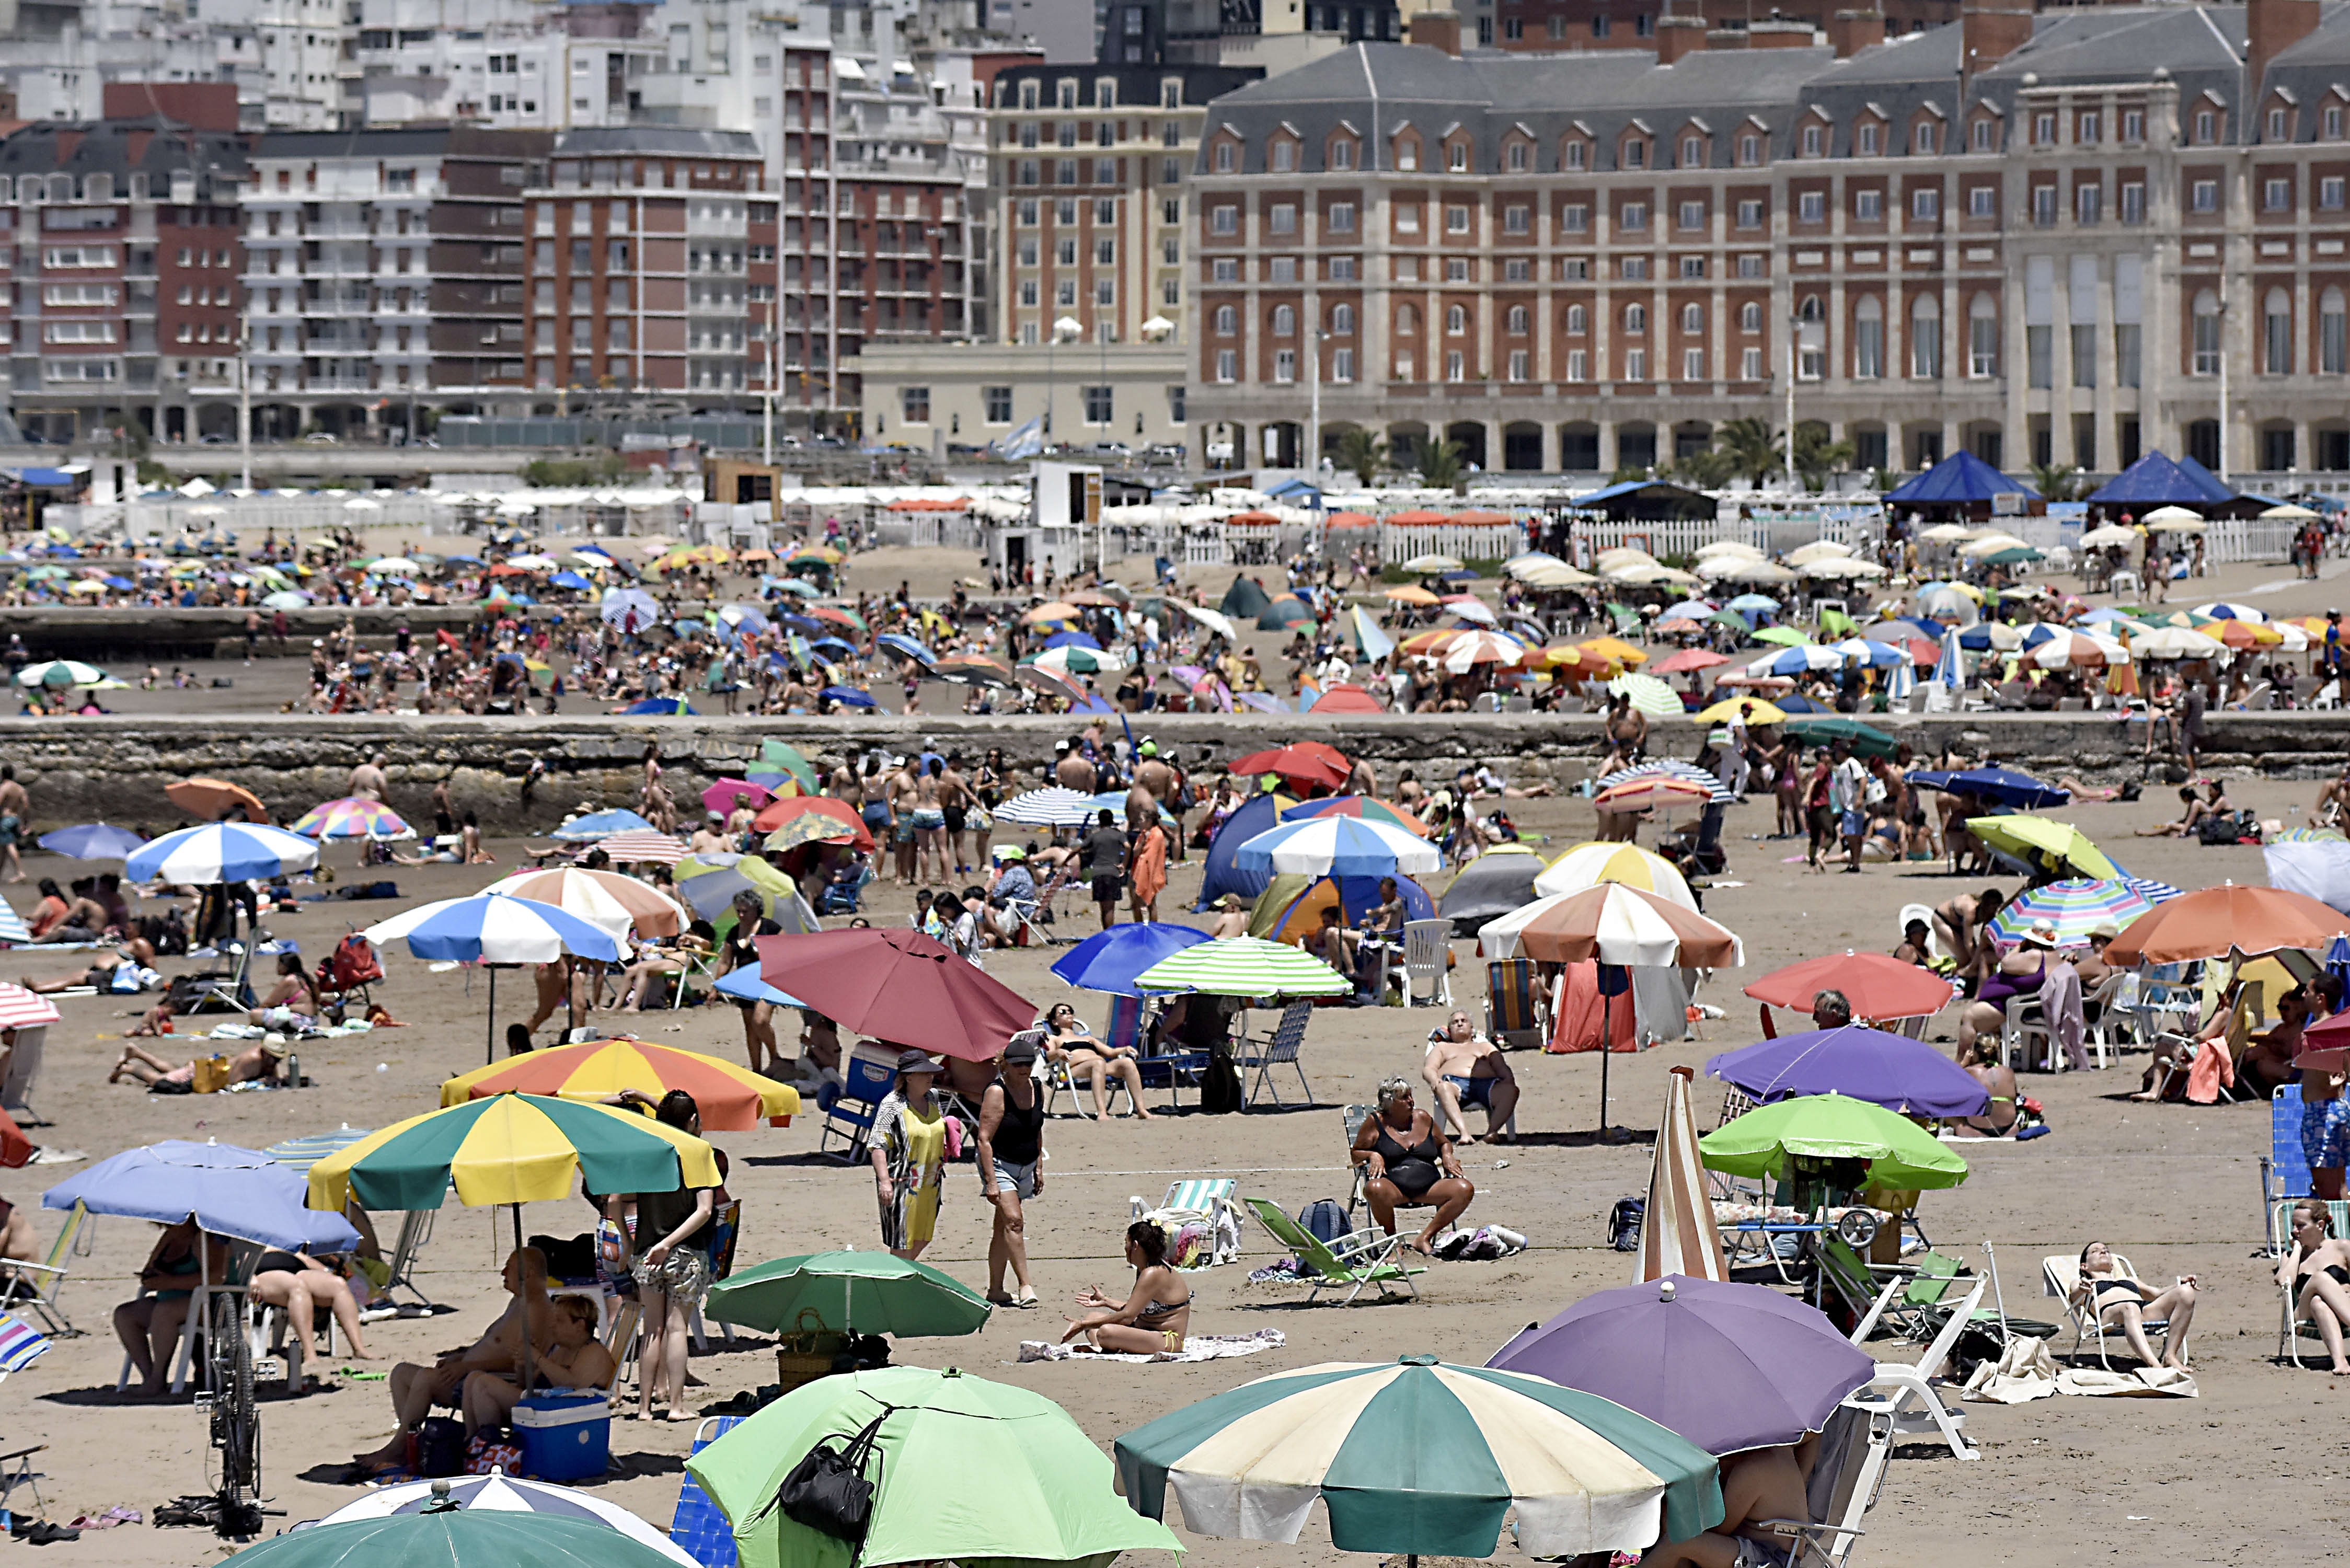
(245,399)
(2222,331)
(1315,338)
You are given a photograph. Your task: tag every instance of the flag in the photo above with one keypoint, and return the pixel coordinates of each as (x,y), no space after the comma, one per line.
(1028,441)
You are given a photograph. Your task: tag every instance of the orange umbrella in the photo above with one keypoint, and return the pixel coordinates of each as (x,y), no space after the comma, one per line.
(1053,611)
(779,811)
(1411,594)
(1345,698)
(1652,792)
(213,799)
(1349,520)
(1429,643)
(2231,918)
(1618,924)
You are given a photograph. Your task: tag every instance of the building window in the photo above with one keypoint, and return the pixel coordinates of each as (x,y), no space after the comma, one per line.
(1813,141)
(1285,321)
(1515,221)
(1692,364)
(1519,362)
(1692,214)
(1921,139)
(1925,205)
(1224,219)
(2276,125)
(2207,334)
(1868,339)
(2206,127)
(1516,157)
(1634,216)
(1515,321)
(2276,334)
(1456,157)
(1456,366)
(1811,207)
(2331,348)
(1578,320)
(2333,122)
(1636,319)
(1983,137)
(1342,364)
(2044,206)
(1635,154)
(2088,204)
(1284,157)
(2132,208)
(1925,338)
(1575,219)
(1750,150)
(1633,269)
(1224,156)
(1100,405)
(997,403)
(1340,219)
(2088,128)
(1455,219)
(1983,201)
(1342,321)
(1750,364)
(1982,338)
(1692,269)
(1227,366)
(1692,152)
(1578,364)
(914,405)
(2276,195)
(1635,364)
(2204,196)
(1750,215)
(1456,320)
(1282,219)
(1865,140)
(1868,206)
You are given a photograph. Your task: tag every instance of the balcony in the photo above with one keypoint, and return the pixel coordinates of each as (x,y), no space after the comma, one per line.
(337,384)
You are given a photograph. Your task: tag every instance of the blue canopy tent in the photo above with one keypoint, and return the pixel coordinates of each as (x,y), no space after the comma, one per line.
(2155,480)
(1961,482)
(1258,814)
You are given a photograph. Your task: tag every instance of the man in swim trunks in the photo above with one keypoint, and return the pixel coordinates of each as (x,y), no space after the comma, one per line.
(1464,1068)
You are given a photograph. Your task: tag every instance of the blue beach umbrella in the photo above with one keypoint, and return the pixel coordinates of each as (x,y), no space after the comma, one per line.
(221,852)
(848,697)
(1108,961)
(668,707)
(228,1191)
(897,643)
(494,929)
(601,824)
(743,984)
(92,841)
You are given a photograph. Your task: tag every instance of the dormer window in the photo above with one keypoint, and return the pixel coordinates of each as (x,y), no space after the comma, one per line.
(1282,157)
(1407,154)
(1574,156)
(1815,141)
(1456,157)
(1865,140)
(1636,153)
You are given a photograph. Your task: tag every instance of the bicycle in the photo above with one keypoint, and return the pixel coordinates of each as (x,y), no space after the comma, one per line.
(235,1421)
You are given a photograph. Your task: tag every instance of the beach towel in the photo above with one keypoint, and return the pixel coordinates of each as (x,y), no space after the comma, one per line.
(2060,1004)
(2211,1072)
(1196,1347)
(2026,1371)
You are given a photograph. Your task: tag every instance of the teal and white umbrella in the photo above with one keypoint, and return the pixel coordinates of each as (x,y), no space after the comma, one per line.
(1416,1457)
(61,672)
(1244,966)
(1648,695)
(2073,908)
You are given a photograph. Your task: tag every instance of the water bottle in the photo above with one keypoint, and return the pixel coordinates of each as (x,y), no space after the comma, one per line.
(293,1071)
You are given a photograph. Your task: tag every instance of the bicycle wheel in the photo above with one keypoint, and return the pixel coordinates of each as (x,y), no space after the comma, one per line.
(235,1423)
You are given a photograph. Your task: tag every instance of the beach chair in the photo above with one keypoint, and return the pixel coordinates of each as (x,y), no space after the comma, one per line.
(2060,1272)
(34,1286)
(2027,1029)
(1427,948)
(21,1344)
(1278,1049)
(865,1083)
(699,967)
(24,1075)
(729,1229)
(2285,1174)
(1124,1028)
(1204,1200)
(697,1528)
(1351,1262)
(2107,1009)
(1906,1395)
(1855,1447)
(1517,1005)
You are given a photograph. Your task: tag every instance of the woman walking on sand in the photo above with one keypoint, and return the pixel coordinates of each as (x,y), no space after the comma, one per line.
(909,1156)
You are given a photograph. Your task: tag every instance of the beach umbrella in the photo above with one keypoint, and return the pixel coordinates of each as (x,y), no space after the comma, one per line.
(12,926)
(221,852)
(510,1148)
(710,882)
(1366,808)
(1797,661)
(1470,649)
(2000,787)
(721,796)
(1729,1366)
(1653,792)
(1687,660)
(496,930)
(1648,695)
(1784,636)
(601,824)
(899,986)
(1865,740)
(1339,846)
(21,1007)
(1108,961)
(285,600)
(788,757)
(1889,1070)
(848,697)
(642,844)
(1245,967)
(1051,806)
(1901,1153)
(966,1470)
(226,1190)
(2227,922)
(59,673)
(816,818)
(352,817)
(1878,987)
(1050,611)
(897,642)
(461,1537)
(1411,594)
(731,1098)
(213,799)
(1754,711)
(2073,908)
(91,841)
(1861,650)
(1113,802)
(1589,865)
(973,669)
(851,1291)
(1306,763)
(1616,924)
(664,707)
(501,1493)
(1067,660)
(2176,642)
(745,985)
(1496,882)
(2045,845)
(605,899)
(2172,519)
(299,1154)
(2233,612)
(632,610)
(1678,1234)
(2077,650)
(1419,1457)
(1346,698)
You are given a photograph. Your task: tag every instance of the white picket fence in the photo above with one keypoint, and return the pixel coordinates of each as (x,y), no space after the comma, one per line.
(2232,540)
(928,529)
(1462,541)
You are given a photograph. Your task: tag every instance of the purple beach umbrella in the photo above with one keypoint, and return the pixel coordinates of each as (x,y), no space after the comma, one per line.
(1902,1075)
(1727,1366)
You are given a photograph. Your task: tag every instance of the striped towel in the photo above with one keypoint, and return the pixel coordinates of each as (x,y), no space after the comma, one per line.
(20,1345)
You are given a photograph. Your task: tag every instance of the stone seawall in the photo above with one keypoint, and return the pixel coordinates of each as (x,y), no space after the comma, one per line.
(98,633)
(82,770)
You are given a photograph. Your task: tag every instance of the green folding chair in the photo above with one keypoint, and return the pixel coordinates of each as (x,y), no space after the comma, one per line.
(1348,1264)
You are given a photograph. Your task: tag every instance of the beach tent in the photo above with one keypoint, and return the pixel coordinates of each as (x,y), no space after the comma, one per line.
(1244,600)
(1961,480)
(2155,480)
(1291,906)
(1259,813)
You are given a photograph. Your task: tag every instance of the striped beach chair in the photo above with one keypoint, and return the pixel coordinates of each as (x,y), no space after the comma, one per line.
(1206,1200)
(1517,1007)
(698,1529)
(21,1344)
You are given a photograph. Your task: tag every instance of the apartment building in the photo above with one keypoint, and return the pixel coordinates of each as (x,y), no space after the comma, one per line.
(385,271)
(2062,254)
(120,263)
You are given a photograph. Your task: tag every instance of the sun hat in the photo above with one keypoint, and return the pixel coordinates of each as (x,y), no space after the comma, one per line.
(919,1061)
(2041,933)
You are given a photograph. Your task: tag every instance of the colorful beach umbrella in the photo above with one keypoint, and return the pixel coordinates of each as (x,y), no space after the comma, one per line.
(1108,961)
(2224,921)
(1357,805)
(1339,846)
(1648,695)
(1901,1153)
(502,1493)
(2048,845)
(722,797)
(1653,793)
(600,824)
(352,817)
(1246,967)
(606,899)
(812,819)
(1878,985)
(510,1148)
(457,1538)
(1051,806)
(221,852)
(1416,1457)
(642,844)
(1589,865)
(731,1098)
(92,841)
(214,799)
(2074,908)
(1616,924)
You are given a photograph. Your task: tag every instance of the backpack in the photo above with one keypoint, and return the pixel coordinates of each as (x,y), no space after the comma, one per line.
(1624,1224)
(1219,1086)
(355,963)
(1324,1219)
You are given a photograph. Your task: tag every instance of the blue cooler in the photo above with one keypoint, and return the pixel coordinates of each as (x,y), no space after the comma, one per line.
(563,1437)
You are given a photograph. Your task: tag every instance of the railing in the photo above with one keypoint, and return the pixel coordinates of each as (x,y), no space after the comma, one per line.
(1463,541)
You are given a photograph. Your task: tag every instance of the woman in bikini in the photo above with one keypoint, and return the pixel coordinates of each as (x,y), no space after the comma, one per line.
(2020,973)
(1152,1319)
(1411,1164)
(2126,1303)
(2317,1267)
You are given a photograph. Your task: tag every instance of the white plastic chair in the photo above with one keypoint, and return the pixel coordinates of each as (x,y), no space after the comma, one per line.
(2027,1024)
(1426,948)
(1908,1397)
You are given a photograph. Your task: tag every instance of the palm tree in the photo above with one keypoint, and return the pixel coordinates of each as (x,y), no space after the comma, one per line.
(1816,457)
(1363,454)
(1440,464)
(2056,480)
(1753,448)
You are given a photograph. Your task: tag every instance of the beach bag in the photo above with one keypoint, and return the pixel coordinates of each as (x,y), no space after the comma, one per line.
(440,1447)
(808,1352)
(1624,1224)
(827,1491)
(208,1075)
(1219,1086)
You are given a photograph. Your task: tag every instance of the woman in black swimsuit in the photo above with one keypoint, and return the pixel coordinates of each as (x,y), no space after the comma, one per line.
(2124,1302)
(2317,1266)
(742,951)
(1411,1165)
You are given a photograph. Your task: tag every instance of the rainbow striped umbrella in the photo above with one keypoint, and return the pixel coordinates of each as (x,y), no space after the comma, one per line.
(2074,908)
(1362,805)
(352,817)
(731,1098)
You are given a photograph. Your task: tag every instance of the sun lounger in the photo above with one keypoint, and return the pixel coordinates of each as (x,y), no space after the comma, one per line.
(1905,1394)
(698,1529)
(1205,1200)
(1855,1447)
(2060,1272)
(1348,1264)
(1517,1007)
(34,1286)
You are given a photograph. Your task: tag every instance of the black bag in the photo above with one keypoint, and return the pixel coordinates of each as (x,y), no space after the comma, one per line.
(1624,1224)
(827,1491)
(1219,1086)
(440,1448)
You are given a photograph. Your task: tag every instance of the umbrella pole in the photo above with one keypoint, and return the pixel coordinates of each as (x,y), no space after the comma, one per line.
(529,1354)
(490,1043)
(1607,1049)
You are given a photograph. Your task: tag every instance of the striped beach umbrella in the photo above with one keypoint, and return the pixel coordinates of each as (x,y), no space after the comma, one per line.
(1470,649)
(601,824)
(13,929)
(606,899)
(1678,1235)
(502,1493)
(1358,805)
(1648,695)
(496,928)
(642,844)
(351,817)
(1653,793)
(2153,892)
(302,1153)
(1419,1457)
(510,1148)
(731,1098)
(1244,966)
(221,852)
(2075,908)
(1616,924)
(1589,865)
(21,1007)
(1052,806)
(1339,846)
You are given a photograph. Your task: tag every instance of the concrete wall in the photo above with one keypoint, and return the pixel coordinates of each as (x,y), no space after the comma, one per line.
(95,635)
(80,770)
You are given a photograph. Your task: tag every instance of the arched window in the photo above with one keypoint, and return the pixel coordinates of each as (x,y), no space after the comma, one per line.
(1749,317)
(1925,338)
(1285,321)
(2330,345)
(1517,321)
(1868,338)
(1692,317)
(2276,333)
(1407,320)
(1342,320)
(1636,319)
(2207,334)
(1578,321)
(1227,321)
(1811,310)
(1983,336)
(1456,319)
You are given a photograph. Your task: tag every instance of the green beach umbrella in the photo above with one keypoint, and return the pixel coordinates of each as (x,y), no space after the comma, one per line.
(1245,966)
(1784,636)
(1867,740)
(1416,1456)
(1836,623)
(789,759)
(980,1473)
(1901,1153)
(850,1292)
(456,1538)
(2052,846)
(1649,695)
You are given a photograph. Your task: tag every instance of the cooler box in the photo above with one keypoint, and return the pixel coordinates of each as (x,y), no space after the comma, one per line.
(563,1437)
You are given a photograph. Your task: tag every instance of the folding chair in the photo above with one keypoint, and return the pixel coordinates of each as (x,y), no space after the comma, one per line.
(1427,948)
(24,1075)
(1908,1399)
(1124,1028)
(1277,1050)
(21,1344)
(2061,1273)
(415,1229)
(723,1237)
(1517,1006)
(1855,1447)
(1203,1199)
(2284,1173)
(1349,1264)
(697,1528)
(35,1285)
(700,964)
(865,1083)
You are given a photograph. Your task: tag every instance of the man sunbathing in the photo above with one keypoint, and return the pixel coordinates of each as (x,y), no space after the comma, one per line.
(1758,1485)
(1463,1067)
(256,1061)
(415,1389)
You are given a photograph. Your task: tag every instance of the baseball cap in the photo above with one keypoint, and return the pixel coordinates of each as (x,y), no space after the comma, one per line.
(919,1061)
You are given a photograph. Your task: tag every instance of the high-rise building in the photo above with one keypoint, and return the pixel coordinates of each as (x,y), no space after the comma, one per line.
(2050,239)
